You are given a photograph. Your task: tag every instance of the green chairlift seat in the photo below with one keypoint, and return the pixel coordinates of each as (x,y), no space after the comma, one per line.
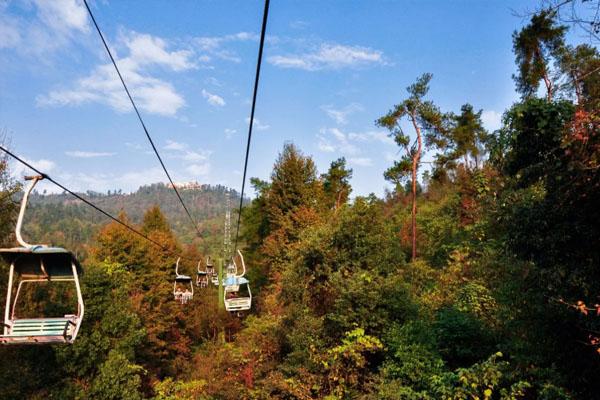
(34,264)
(237,300)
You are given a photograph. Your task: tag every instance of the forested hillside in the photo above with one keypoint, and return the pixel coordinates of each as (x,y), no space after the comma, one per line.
(479,280)
(64,221)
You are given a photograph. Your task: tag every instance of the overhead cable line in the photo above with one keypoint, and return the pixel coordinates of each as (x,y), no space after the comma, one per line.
(140,119)
(251,124)
(89,203)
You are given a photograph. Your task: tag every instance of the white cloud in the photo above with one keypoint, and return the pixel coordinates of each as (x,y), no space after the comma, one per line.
(88,154)
(182,151)
(213,45)
(259,126)
(370,136)
(102,182)
(9,32)
(213,99)
(230,132)
(63,15)
(198,169)
(341,116)
(213,81)
(334,140)
(172,145)
(19,170)
(325,146)
(151,94)
(491,119)
(145,49)
(53,26)
(299,24)
(360,161)
(390,157)
(330,56)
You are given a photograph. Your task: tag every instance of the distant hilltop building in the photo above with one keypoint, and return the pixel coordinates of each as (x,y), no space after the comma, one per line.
(185,185)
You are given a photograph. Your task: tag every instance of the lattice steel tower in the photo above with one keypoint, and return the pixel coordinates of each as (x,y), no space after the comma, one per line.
(227,230)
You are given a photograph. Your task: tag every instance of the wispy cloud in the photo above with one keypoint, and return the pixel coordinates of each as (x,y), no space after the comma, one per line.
(63,15)
(101,182)
(360,161)
(371,136)
(88,154)
(147,50)
(259,126)
(151,94)
(198,169)
(213,99)
(334,140)
(491,119)
(54,25)
(213,45)
(229,133)
(330,56)
(340,116)
(183,151)
(351,144)
(299,24)
(44,165)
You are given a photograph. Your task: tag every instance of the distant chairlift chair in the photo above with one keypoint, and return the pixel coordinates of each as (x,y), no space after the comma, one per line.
(201,277)
(180,287)
(210,271)
(238,296)
(36,264)
(230,279)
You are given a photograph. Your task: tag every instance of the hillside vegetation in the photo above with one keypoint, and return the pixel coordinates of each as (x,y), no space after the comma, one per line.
(64,221)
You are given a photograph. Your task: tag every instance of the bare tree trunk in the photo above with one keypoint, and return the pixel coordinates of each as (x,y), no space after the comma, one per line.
(577,88)
(338,201)
(547,80)
(416,158)
(414,209)
(548,86)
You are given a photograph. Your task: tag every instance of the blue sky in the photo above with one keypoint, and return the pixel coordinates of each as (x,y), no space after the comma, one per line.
(330,69)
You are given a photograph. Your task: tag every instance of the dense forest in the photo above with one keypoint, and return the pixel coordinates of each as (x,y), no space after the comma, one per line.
(64,221)
(476,279)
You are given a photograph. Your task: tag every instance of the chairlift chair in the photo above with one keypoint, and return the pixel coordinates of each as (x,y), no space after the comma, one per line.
(35,264)
(180,286)
(235,301)
(201,277)
(230,281)
(210,270)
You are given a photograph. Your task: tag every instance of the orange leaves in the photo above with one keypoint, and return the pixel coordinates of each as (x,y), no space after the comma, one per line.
(592,340)
(581,307)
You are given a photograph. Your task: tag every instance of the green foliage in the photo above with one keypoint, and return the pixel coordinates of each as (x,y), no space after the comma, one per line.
(579,64)
(462,339)
(171,390)
(424,116)
(485,380)
(463,141)
(118,379)
(346,363)
(293,184)
(412,356)
(533,47)
(336,184)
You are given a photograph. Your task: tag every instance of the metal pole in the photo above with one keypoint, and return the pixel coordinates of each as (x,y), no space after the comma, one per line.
(221,292)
